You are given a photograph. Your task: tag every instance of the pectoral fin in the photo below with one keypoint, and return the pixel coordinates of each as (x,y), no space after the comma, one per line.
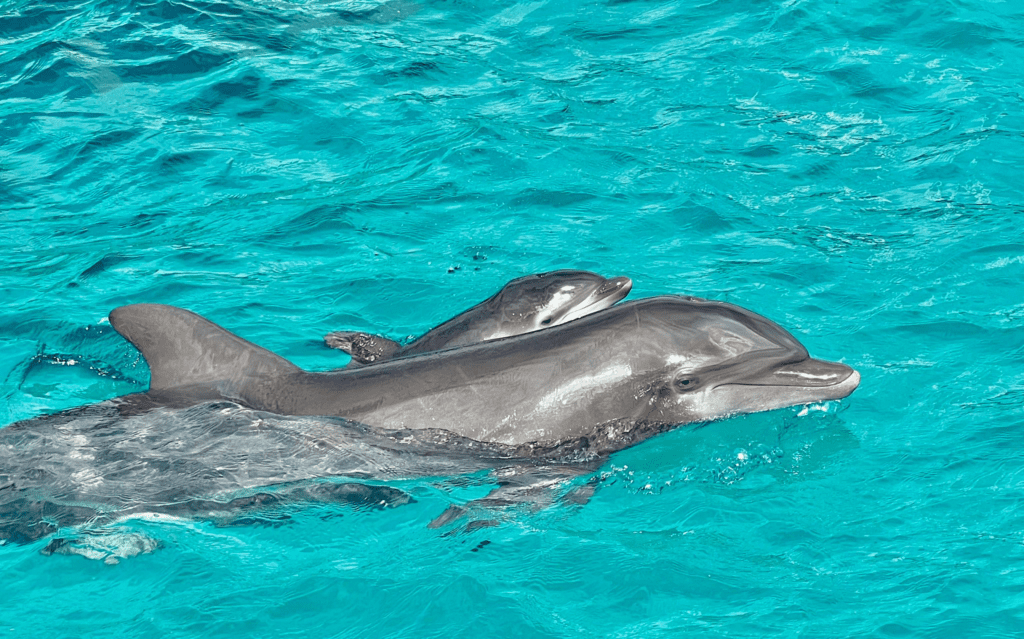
(530,489)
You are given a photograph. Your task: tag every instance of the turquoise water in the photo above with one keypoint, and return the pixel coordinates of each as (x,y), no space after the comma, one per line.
(850,170)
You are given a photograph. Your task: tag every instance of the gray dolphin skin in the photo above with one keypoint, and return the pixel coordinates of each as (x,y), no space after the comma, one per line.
(524,305)
(601,383)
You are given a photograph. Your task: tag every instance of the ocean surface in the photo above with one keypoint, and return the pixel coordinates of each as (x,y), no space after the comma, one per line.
(851,170)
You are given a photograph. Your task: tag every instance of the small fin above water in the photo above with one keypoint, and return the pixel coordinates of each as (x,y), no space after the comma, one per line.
(186,350)
(363,347)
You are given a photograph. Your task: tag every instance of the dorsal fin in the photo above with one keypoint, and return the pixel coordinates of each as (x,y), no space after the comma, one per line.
(363,347)
(186,350)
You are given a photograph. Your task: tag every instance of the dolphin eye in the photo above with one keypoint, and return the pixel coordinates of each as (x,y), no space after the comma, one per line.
(545,322)
(685,383)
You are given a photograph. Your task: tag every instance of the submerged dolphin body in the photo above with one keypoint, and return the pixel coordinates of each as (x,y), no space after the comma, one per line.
(523,305)
(601,383)
(92,467)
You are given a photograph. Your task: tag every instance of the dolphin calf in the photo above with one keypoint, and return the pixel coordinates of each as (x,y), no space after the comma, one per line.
(599,384)
(523,305)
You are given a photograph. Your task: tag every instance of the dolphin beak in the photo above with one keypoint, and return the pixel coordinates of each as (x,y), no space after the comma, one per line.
(804,382)
(815,373)
(611,291)
(616,287)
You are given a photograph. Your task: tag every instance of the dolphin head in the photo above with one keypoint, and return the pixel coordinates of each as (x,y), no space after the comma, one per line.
(548,299)
(707,360)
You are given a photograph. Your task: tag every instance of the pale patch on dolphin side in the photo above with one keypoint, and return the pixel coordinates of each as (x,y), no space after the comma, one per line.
(572,390)
(560,299)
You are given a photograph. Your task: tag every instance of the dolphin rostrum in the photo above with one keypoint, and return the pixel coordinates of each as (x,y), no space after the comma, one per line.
(599,384)
(523,305)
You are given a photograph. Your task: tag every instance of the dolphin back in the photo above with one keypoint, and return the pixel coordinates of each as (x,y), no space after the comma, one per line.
(186,350)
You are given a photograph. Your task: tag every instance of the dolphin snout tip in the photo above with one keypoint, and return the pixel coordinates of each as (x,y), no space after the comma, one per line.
(853,380)
(833,380)
(846,380)
(621,283)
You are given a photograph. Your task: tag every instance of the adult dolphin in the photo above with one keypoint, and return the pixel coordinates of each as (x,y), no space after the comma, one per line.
(601,383)
(523,305)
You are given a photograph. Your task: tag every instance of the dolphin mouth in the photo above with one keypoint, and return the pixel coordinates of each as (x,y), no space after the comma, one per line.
(814,373)
(818,379)
(608,293)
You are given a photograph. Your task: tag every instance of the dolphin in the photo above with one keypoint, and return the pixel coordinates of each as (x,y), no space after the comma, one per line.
(598,384)
(523,305)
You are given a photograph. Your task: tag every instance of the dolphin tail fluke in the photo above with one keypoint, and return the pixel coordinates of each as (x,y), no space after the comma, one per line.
(363,347)
(184,350)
